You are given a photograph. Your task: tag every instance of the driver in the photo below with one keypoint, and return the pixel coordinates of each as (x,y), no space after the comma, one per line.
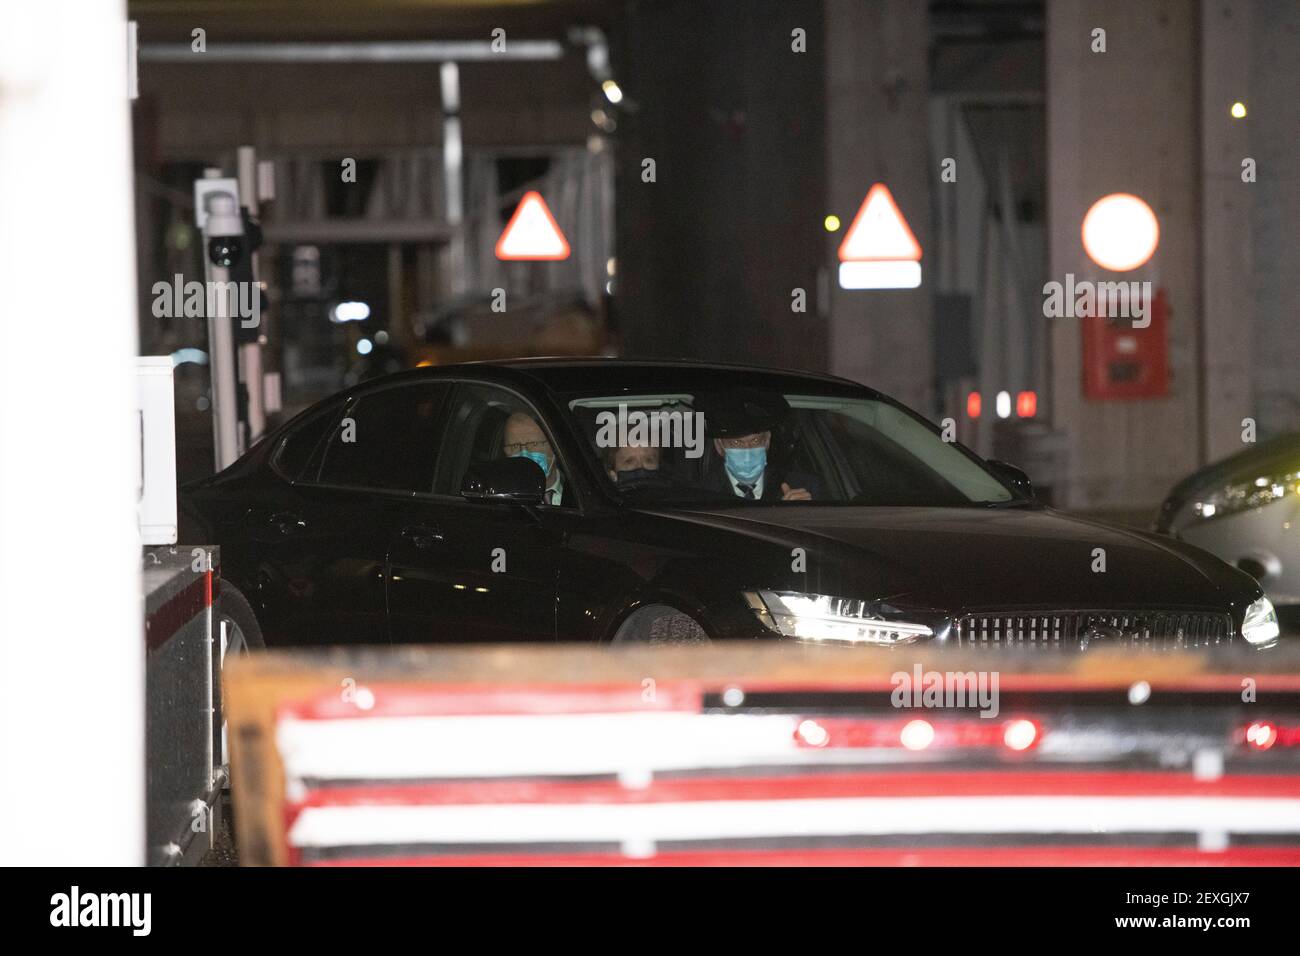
(631,463)
(741,423)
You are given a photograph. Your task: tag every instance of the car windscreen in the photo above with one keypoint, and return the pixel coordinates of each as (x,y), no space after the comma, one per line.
(679,448)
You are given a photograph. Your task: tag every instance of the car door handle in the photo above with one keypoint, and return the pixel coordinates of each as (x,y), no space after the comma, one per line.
(286,522)
(421,536)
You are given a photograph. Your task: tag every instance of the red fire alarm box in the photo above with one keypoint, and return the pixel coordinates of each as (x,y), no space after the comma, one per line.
(1121,361)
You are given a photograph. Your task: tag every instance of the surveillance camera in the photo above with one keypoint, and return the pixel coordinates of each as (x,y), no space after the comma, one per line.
(225,229)
(225,250)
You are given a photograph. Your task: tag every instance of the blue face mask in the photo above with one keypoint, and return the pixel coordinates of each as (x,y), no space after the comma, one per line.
(538,458)
(745,464)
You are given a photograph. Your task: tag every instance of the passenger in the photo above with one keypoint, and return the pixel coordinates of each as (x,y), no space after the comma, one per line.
(524,438)
(631,463)
(742,424)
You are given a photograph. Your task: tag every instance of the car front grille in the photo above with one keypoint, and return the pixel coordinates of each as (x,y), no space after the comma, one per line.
(1155,630)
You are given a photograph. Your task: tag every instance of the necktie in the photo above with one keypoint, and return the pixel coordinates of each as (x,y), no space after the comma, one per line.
(747,491)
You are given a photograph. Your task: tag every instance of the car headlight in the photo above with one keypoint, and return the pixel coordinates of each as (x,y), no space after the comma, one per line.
(1260,626)
(819,617)
(1244,495)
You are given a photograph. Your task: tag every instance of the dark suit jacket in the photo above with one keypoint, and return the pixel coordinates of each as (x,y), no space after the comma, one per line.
(772,479)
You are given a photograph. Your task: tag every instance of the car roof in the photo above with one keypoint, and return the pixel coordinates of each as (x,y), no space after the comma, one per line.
(572,374)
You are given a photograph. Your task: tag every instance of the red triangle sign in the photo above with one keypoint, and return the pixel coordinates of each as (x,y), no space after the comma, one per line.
(532,232)
(879,231)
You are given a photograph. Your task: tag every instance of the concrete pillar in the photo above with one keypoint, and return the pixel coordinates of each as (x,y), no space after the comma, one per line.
(1227,279)
(1125,121)
(1272,130)
(711,252)
(877,130)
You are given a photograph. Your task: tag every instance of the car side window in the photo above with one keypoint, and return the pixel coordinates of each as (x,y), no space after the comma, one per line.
(387,440)
(300,445)
(486,423)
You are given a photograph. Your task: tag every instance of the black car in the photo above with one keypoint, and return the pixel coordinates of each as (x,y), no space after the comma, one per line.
(615,501)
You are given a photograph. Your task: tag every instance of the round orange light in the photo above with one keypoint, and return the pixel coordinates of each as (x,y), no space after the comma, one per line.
(1120,232)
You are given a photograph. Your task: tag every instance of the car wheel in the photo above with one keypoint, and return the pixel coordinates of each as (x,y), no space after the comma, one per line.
(659,625)
(242,635)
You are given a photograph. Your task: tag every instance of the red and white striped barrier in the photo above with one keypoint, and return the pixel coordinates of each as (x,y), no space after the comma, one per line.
(707,772)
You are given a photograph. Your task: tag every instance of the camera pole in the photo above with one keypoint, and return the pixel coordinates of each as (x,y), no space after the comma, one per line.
(250,353)
(217,209)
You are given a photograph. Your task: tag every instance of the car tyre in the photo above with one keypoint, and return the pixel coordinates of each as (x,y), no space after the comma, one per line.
(243,636)
(661,627)
(243,633)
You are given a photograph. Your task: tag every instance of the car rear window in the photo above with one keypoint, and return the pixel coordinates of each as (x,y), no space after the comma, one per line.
(387,440)
(297,446)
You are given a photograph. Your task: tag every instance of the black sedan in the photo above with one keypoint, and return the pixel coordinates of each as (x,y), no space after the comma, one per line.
(669,502)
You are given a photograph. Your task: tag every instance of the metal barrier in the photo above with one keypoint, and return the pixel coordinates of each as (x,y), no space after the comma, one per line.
(183,704)
(764,754)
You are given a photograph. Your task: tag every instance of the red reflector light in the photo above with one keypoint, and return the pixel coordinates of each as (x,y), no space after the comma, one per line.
(1027,404)
(916,734)
(813,734)
(1019,734)
(973,404)
(1263,735)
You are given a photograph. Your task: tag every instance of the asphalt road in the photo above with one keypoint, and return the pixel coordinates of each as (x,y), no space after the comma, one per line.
(224,851)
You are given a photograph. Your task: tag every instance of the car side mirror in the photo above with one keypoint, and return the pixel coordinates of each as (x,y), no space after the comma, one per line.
(1013,476)
(518,480)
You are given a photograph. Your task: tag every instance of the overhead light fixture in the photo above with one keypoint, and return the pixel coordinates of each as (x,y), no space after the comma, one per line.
(350,312)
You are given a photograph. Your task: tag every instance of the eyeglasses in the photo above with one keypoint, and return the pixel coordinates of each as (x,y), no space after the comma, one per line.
(745,441)
(517,447)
